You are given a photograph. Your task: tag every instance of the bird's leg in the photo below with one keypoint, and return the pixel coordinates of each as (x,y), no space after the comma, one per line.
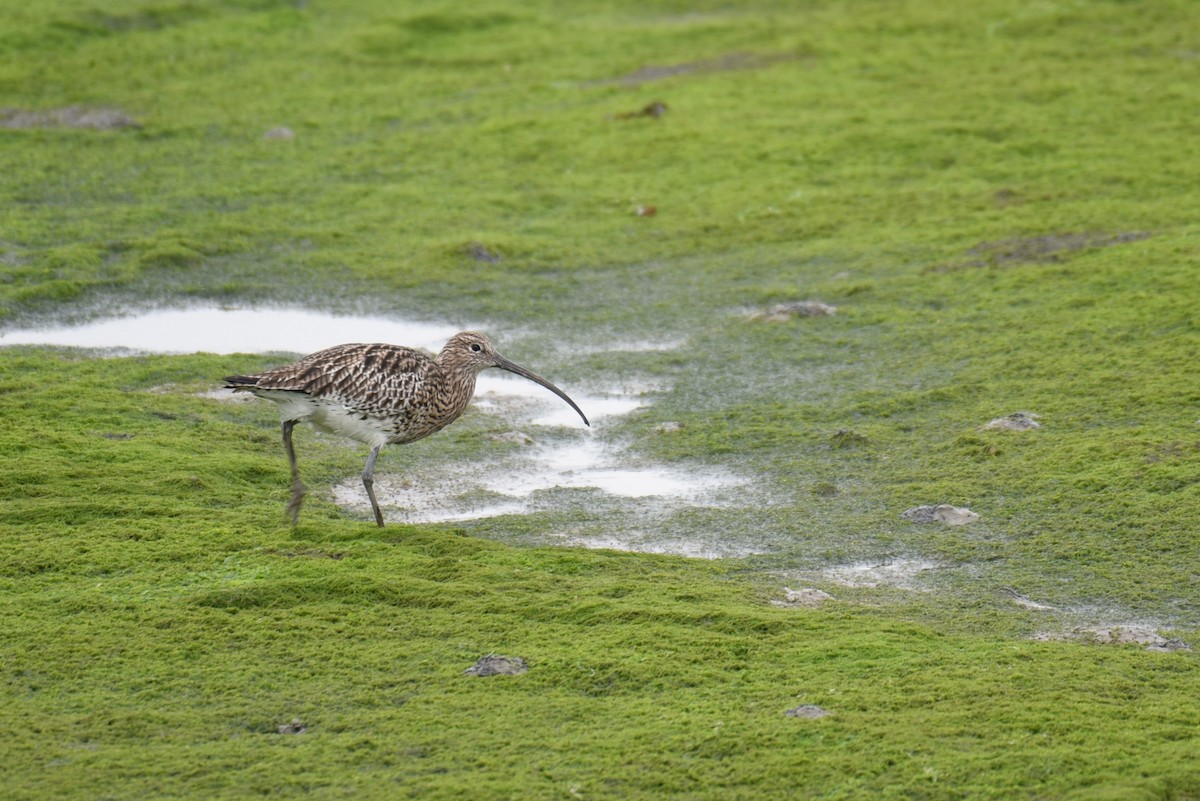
(298,490)
(369,483)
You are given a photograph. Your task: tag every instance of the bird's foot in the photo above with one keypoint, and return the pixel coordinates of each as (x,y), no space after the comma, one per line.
(292,512)
(369,484)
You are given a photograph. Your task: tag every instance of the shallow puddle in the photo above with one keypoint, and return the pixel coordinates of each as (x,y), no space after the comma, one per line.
(537,478)
(232,330)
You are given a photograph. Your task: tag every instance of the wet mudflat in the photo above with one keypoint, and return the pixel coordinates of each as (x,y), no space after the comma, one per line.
(595,488)
(885,311)
(554,465)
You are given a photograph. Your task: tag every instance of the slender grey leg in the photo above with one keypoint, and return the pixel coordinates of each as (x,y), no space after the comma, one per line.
(298,490)
(369,483)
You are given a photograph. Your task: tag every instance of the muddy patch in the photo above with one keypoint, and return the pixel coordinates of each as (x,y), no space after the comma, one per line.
(1143,635)
(804,598)
(782,312)
(96,118)
(941,513)
(497,665)
(808,712)
(644,529)
(903,574)
(1045,249)
(1026,602)
(848,438)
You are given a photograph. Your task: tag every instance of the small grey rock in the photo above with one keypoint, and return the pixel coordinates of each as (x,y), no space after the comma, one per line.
(280,132)
(669,427)
(1017,421)
(295,727)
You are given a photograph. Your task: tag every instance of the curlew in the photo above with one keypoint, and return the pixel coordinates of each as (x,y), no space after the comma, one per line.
(379,395)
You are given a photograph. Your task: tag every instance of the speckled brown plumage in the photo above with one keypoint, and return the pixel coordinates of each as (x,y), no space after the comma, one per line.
(378,394)
(401,393)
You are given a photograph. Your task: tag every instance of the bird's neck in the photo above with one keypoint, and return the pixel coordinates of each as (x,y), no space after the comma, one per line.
(457,387)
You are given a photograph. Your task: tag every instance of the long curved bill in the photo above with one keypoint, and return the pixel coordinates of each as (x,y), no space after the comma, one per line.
(513,367)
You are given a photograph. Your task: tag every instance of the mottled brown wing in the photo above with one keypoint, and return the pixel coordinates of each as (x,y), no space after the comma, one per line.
(376,377)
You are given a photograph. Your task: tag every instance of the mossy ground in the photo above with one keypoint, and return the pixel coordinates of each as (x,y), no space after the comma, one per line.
(160,623)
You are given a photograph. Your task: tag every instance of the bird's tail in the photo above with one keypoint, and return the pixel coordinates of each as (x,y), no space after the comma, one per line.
(236,382)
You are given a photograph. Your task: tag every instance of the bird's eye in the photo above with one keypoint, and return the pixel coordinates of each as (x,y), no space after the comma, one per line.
(475,346)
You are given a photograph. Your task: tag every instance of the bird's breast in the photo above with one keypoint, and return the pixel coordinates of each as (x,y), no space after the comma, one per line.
(394,418)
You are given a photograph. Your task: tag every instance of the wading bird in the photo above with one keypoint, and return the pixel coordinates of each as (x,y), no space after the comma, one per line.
(379,395)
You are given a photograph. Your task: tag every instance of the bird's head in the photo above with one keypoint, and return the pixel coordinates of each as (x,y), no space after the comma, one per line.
(471,351)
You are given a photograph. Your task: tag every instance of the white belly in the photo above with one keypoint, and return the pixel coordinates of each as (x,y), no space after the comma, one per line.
(327,415)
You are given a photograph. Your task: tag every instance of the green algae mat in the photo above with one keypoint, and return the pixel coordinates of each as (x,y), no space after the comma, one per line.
(997,203)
